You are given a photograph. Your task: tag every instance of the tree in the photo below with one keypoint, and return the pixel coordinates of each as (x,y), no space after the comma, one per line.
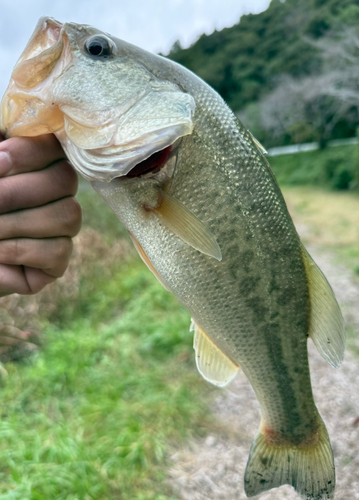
(309,108)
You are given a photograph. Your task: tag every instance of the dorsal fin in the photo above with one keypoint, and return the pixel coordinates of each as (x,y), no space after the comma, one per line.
(326,327)
(259,145)
(211,362)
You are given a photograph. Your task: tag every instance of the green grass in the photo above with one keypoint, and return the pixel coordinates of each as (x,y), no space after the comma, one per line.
(350,256)
(97,215)
(92,415)
(330,219)
(333,168)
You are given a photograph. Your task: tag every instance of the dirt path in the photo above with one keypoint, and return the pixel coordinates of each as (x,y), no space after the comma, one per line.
(213,468)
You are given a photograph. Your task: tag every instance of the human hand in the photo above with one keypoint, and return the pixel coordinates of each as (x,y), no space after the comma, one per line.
(38,213)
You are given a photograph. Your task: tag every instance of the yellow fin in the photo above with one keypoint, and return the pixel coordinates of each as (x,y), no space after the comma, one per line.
(326,327)
(308,467)
(211,362)
(147,261)
(186,225)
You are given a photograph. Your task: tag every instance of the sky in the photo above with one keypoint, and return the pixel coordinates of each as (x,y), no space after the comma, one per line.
(153,25)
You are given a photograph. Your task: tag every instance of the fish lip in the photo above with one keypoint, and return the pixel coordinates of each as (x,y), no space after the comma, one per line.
(48,34)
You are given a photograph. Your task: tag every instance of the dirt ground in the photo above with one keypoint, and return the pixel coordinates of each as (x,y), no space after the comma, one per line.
(213,468)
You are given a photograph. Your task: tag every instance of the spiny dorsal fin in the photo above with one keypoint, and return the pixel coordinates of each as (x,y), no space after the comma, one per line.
(186,225)
(211,362)
(259,145)
(147,261)
(326,327)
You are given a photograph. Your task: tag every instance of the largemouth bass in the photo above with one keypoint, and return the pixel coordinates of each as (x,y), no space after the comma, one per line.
(197,195)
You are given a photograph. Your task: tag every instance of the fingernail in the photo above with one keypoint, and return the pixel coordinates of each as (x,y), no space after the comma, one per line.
(5,163)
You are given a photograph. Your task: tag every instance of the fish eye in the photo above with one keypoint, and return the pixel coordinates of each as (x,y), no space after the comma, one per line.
(98,46)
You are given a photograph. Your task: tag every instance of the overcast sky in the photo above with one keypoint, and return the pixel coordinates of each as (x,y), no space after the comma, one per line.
(153,25)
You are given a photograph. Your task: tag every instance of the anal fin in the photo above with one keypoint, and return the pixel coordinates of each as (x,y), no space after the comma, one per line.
(326,321)
(211,362)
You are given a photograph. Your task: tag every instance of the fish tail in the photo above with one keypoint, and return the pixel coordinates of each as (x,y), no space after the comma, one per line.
(308,467)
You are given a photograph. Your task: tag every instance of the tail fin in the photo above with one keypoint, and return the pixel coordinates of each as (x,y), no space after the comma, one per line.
(309,469)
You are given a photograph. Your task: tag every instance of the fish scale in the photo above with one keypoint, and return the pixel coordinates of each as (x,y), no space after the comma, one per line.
(207,217)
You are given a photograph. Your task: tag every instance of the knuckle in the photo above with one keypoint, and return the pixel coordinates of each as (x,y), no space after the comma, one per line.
(72,216)
(11,251)
(66,176)
(63,249)
(16,249)
(8,194)
(61,256)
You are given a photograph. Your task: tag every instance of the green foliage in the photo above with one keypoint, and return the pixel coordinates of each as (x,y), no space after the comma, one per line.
(97,215)
(242,62)
(91,416)
(257,57)
(334,168)
(350,255)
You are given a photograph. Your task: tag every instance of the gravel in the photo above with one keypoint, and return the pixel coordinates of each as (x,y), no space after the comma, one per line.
(213,468)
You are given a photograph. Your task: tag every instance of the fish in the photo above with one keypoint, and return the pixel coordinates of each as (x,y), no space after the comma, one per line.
(197,195)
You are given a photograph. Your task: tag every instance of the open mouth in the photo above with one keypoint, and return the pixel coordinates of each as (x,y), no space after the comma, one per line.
(152,164)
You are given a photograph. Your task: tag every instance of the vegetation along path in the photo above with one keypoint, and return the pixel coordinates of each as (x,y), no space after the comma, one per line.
(213,467)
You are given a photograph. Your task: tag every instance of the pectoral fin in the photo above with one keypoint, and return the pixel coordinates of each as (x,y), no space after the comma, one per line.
(326,321)
(186,225)
(211,362)
(147,261)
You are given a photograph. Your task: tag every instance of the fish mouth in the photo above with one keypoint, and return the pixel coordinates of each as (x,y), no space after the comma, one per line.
(144,156)
(23,111)
(47,33)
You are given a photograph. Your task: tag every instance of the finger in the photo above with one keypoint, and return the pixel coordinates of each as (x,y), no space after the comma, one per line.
(51,255)
(60,218)
(17,279)
(37,188)
(26,154)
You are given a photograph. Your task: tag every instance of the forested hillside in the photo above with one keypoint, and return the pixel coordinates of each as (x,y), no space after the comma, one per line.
(281,48)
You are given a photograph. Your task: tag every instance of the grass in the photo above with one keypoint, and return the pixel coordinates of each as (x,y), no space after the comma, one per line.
(320,188)
(92,414)
(331,168)
(329,219)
